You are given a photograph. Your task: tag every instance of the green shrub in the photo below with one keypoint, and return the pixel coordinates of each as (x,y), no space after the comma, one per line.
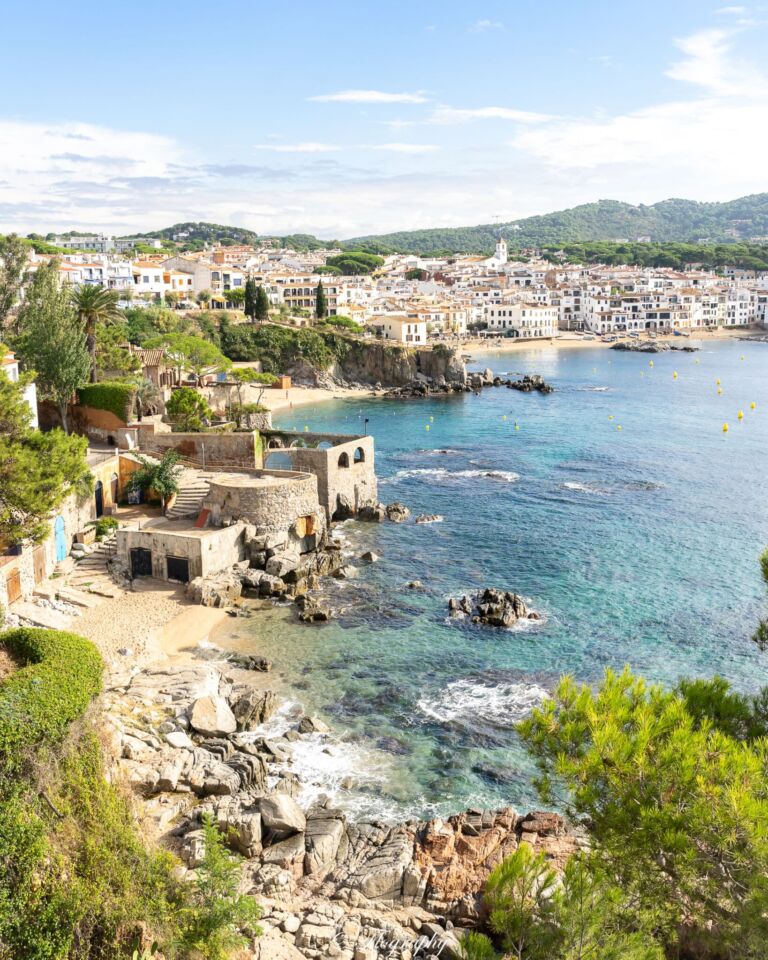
(117,398)
(62,674)
(343,323)
(212,922)
(104,525)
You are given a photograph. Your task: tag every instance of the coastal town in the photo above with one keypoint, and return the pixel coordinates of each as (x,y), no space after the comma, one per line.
(419,299)
(185,509)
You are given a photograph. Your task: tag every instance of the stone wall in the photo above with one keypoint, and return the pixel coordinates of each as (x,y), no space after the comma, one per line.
(272,501)
(208,551)
(206,449)
(345,471)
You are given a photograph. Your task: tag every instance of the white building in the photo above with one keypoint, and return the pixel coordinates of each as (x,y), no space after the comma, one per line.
(10,367)
(527,321)
(402,328)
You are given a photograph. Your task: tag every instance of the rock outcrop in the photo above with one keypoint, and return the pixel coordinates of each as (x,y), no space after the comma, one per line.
(328,886)
(496,608)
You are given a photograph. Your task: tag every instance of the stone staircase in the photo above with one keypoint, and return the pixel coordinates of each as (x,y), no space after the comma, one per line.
(193,488)
(92,574)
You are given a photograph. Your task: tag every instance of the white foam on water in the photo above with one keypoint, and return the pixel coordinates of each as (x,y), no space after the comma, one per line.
(593,389)
(584,488)
(441,474)
(471,700)
(323,762)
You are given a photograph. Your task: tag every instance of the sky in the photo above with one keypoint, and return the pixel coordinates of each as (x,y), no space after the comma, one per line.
(342,118)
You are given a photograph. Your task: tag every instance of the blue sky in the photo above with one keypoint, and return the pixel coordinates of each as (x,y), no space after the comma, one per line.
(341,118)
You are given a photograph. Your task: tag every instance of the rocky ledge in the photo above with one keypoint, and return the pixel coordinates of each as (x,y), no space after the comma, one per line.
(496,608)
(190,741)
(652,346)
(423,387)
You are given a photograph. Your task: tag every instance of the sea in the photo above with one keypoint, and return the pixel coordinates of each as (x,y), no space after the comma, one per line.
(618,506)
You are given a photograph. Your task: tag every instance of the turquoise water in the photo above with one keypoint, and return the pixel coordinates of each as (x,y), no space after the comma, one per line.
(638,545)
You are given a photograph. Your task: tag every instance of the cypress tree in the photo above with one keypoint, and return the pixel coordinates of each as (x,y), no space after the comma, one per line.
(250,306)
(262,304)
(321,304)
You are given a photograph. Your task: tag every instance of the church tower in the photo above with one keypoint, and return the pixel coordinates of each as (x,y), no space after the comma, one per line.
(501,250)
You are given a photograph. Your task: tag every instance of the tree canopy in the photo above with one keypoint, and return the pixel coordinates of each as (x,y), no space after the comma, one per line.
(52,342)
(37,470)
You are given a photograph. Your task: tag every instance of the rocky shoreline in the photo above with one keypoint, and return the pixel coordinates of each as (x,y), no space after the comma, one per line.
(190,740)
(652,346)
(425,387)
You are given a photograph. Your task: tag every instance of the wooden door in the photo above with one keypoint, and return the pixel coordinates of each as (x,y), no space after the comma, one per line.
(38,559)
(13,585)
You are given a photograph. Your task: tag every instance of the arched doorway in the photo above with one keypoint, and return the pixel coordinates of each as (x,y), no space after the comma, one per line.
(99,496)
(61,539)
(114,488)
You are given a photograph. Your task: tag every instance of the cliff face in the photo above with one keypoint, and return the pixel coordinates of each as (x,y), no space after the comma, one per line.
(395,366)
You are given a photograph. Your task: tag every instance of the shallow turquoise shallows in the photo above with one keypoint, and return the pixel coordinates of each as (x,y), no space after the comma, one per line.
(639,545)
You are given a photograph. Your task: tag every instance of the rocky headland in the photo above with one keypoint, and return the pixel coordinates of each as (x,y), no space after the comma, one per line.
(652,346)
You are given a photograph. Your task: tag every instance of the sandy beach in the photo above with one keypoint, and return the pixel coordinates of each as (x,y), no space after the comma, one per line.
(276,400)
(574,341)
(153,621)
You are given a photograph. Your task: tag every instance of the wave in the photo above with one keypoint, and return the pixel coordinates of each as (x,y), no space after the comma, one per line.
(440,473)
(584,488)
(467,702)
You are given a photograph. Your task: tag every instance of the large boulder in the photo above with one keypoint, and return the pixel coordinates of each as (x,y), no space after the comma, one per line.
(254,707)
(217,591)
(397,512)
(212,716)
(496,608)
(281,815)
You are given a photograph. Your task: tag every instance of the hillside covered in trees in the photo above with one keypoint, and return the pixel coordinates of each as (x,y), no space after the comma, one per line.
(667,221)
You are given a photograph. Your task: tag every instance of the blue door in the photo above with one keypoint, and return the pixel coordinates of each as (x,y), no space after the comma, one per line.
(61,540)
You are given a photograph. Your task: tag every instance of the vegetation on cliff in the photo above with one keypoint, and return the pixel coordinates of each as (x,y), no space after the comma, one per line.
(76,880)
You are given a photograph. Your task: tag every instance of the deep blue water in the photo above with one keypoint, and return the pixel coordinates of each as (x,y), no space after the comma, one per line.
(639,546)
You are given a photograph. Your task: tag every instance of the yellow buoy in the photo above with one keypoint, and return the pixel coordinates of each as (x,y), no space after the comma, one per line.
(306,428)
(426,427)
(610,416)
(674,375)
(618,426)
(752,405)
(504,417)
(717,383)
(742,357)
(719,391)
(431,419)
(650,363)
(740,414)
(517,426)
(725,428)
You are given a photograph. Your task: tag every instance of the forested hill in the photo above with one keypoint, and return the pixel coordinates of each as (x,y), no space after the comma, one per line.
(193,235)
(669,220)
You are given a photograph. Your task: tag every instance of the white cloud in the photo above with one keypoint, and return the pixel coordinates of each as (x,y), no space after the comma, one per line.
(710,147)
(709,65)
(451,115)
(369,96)
(407,147)
(482,26)
(731,11)
(307,147)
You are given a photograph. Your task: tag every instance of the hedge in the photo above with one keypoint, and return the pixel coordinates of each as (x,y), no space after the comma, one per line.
(108,395)
(61,675)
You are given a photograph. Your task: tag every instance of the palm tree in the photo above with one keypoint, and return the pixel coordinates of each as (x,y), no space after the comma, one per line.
(146,393)
(94,305)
